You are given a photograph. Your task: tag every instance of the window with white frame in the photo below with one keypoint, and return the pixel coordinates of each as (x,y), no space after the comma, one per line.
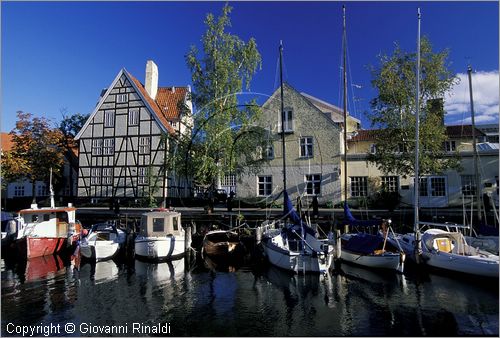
(109,118)
(18,190)
(173,124)
(313,184)
(438,186)
(107,176)
(109,146)
(42,190)
(373,148)
(95,176)
(468,185)
(121,98)
(97,146)
(450,146)
(265,185)
(143,176)
(288,118)
(359,186)
(144,145)
(133,117)
(228,180)
(306,146)
(390,183)
(423,190)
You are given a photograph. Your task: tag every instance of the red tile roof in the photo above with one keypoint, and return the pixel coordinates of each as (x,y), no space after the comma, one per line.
(451,131)
(6,142)
(159,113)
(168,99)
(462,131)
(365,135)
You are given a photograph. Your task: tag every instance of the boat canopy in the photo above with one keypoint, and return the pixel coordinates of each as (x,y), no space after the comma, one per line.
(353,221)
(160,223)
(364,243)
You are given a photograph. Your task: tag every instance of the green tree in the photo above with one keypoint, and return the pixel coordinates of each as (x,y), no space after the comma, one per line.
(223,135)
(70,125)
(393,111)
(36,149)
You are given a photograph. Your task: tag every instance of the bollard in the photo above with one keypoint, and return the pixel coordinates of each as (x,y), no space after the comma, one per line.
(258,235)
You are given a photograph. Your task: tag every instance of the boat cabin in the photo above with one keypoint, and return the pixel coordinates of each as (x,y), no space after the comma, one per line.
(161,223)
(48,222)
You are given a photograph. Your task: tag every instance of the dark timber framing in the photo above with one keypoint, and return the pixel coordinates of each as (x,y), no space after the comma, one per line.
(124,160)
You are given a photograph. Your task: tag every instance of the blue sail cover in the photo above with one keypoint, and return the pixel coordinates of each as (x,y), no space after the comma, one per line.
(352,221)
(363,243)
(298,224)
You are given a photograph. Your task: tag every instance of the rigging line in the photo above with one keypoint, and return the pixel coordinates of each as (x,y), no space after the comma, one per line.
(354,111)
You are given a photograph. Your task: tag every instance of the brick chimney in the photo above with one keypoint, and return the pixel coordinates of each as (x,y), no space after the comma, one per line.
(151,85)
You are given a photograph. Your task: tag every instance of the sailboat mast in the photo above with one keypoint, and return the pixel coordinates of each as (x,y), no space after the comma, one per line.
(476,169)
(344,47)
(417,141)
(417,132)
(282,117)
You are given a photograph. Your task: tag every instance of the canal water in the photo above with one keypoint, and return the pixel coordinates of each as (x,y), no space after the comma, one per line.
(194,297)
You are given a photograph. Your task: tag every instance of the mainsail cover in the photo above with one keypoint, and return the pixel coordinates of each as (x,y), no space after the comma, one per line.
(353,221)
(364,243)
(297,223)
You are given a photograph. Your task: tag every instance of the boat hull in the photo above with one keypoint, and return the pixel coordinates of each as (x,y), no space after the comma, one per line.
(159,248)
(101,251)
(31,247)
(294,261)
(388,260)
(473,265)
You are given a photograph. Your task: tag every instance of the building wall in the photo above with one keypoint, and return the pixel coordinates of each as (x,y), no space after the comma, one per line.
(128,165)
(308,121)
(488,168)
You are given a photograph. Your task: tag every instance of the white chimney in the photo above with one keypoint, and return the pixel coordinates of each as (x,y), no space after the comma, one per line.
(151,79)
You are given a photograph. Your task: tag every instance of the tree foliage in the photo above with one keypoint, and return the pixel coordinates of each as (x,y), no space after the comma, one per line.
(37,147)
(394,111)
(223,135)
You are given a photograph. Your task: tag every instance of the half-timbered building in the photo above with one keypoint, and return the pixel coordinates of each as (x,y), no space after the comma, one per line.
(123,146)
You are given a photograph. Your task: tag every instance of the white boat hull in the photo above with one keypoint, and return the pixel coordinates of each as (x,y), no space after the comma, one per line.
(159,248)
(102,250)
(476,265)
(387,260)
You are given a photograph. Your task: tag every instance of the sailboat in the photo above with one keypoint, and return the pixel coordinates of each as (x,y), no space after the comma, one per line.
(487,242)
(288,242)
(443,249)
(368,250)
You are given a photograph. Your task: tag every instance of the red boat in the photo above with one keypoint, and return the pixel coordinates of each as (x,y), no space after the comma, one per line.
(46,231)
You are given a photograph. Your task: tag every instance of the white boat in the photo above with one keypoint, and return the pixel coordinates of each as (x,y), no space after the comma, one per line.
(448,250)
(293,246)
(161,236)
(102,242)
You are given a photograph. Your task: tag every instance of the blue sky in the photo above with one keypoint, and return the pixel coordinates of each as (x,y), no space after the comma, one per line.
(59,55)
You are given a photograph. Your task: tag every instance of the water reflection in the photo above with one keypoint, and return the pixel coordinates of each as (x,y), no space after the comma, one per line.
(249,301)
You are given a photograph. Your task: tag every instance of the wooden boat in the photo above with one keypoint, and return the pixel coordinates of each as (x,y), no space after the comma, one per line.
(222,243)
(102,242)
(161,236)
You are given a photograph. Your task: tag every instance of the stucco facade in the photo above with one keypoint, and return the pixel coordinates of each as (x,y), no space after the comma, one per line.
(312,152)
